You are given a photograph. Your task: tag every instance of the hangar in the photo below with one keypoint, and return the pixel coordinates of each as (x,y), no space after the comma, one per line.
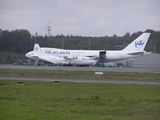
(149,60)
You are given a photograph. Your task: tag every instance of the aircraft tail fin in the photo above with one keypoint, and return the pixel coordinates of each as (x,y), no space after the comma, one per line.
(138,44)
(37,50)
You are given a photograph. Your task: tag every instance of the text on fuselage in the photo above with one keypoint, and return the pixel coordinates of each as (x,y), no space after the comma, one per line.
(57,52)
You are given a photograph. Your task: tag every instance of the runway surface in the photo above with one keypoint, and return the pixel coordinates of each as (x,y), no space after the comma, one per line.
(101,69)
(84,80)
(95,80)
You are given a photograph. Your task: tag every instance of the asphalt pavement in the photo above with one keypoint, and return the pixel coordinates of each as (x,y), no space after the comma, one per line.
(101,69)
(155,70)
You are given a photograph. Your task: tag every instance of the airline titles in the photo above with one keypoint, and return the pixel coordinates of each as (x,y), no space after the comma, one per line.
(57,52)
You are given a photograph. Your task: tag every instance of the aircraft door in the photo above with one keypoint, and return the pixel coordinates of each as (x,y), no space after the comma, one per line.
(102,59)
(102,55)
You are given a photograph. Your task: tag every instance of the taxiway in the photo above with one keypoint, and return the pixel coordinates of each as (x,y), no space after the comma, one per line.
(155,70)
(84,80)
(102,69)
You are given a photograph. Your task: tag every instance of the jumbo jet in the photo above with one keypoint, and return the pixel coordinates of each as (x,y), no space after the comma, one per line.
(89,57)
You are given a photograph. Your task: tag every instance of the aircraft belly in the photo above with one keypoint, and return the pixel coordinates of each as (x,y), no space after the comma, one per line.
(111,58)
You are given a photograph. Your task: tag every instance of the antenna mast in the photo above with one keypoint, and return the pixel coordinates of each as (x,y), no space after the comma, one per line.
(49,28)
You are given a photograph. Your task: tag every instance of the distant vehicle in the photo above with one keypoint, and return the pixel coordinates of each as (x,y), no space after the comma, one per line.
(89,57)
(119,65)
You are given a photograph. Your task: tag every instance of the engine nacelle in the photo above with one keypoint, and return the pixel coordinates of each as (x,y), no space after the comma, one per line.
(84,61)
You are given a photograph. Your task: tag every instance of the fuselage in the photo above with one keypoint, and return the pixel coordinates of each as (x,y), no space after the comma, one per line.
(58,54)
(110,55)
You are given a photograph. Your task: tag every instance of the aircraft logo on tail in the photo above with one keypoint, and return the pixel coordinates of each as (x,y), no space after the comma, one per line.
(139,43)
(36,48)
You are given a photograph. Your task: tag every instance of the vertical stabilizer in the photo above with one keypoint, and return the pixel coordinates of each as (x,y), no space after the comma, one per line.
(37,50)
(139,43)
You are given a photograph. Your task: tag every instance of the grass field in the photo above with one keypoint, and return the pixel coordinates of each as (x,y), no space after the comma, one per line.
(42,100)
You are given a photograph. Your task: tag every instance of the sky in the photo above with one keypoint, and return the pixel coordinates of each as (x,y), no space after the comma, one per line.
(80,17)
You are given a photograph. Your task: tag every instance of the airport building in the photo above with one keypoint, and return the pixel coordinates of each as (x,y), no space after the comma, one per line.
(150,60)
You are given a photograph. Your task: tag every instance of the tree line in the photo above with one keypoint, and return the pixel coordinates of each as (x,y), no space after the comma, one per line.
(17,41)
(21,41)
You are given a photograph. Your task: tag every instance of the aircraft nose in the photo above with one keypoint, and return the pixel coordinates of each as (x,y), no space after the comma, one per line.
(27,55)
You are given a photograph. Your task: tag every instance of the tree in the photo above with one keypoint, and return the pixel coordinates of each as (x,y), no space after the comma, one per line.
(4,37)
(19,41)
(127,34)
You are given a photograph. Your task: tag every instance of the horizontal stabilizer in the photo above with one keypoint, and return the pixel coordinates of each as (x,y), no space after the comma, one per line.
(137,53)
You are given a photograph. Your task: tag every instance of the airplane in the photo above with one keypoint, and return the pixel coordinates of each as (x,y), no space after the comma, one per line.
(89,57)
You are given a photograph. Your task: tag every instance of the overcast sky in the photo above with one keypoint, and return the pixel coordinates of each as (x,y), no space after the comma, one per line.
(80,17)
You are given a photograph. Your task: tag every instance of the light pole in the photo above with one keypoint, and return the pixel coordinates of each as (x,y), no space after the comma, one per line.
(35,39)
(155,47)
(89,47)
(63,42)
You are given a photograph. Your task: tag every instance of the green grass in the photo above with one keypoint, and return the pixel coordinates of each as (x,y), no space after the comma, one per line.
(81,74)
(42,100)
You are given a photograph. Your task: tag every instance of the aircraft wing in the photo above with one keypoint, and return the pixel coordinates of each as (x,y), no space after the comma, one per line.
(66,57)
(69,57)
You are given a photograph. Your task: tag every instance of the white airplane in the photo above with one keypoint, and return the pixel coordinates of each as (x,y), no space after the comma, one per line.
(88,57)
